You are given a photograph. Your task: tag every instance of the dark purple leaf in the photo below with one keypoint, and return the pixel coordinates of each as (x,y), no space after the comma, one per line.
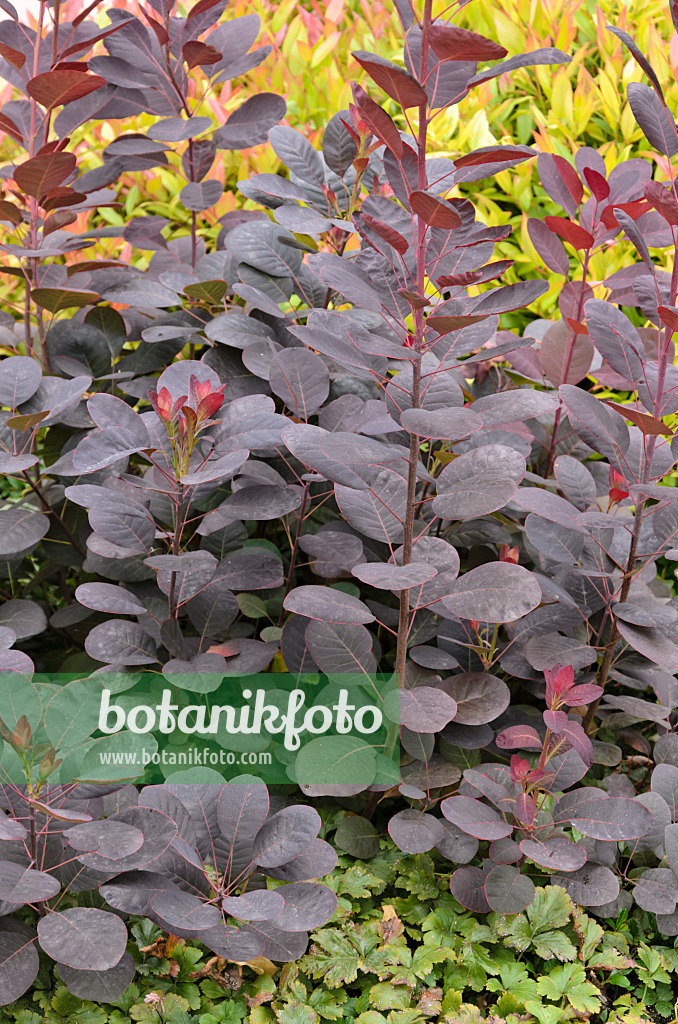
(301,379)
(327,605)
(556,854)
(653,118)
(110,839)
(199,196)
(250,124)
(414,831)
(396,83)
(317,860)
(613,819)
(307,905)
(104,597)
(652,643)
(495,592)
(20,530)
(19,884)
(286,835)
(19,961)
(480,697)
(83,938)
(121,643)
(259,905)
(657,891)
(386,576)
(20,378)
(99,986)
(339,649)
(467,885)
(507,890)
(475,818)
(181,912)
(478,482)
(591,886)
(423,709)
(549,246)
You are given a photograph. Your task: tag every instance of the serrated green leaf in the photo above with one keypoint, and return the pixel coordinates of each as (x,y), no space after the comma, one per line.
(569,981)
(544,1013)
(295,1013)
(387,996)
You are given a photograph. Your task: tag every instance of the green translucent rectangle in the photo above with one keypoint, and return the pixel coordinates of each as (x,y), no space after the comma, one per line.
(313,730)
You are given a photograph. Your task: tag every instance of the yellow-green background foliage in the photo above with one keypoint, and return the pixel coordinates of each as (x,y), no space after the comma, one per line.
(555,109)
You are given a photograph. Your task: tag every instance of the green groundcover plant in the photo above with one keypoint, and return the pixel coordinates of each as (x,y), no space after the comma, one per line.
(394,951)
(318,447)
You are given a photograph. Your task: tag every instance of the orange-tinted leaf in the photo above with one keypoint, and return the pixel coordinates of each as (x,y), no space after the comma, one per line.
(648,424)
(196,53)
(577,326)
(396,83)
(445,324)
(569,232)
(27,420)
(39,176)
(56,88)
(9,213)
(389,234)
(55,299)
(7,125)
(437,212)
(87,265)
(62,196)
(58,220)
(451,43)
(15,57)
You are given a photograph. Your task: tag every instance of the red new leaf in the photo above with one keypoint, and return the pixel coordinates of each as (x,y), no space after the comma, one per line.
(437,212)
(648,424)
(389,235)
(669,316)
(569,232)
(56,88)
(452,43)
(377,120)
(39,176)
(201,7)
(634,210)
(597,184)
(493,155)
(570,177)
(396,83)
